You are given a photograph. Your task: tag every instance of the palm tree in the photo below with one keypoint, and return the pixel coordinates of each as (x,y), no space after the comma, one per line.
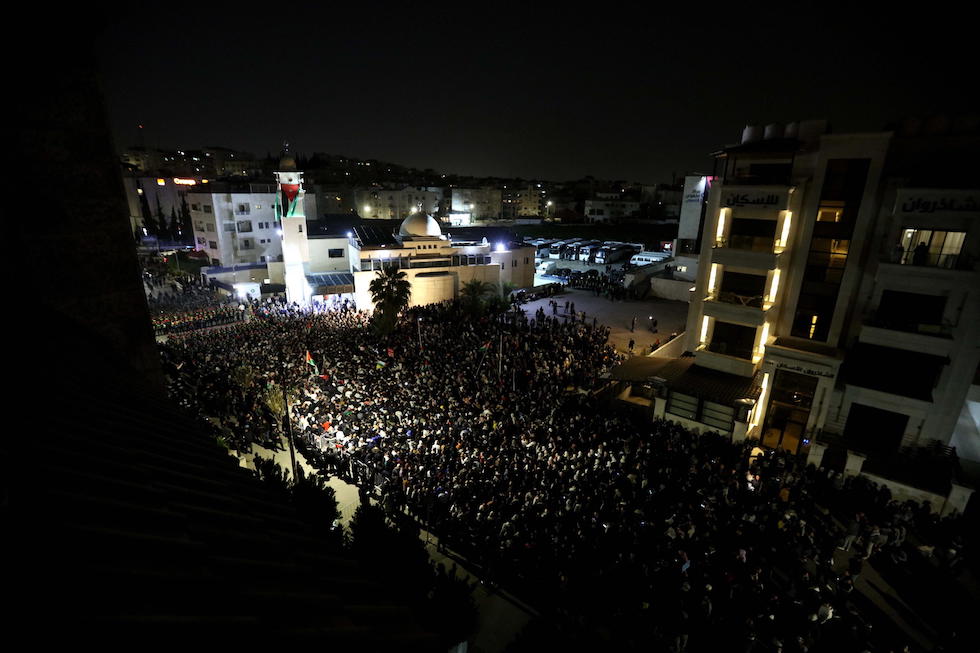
(474,292)
(390,291)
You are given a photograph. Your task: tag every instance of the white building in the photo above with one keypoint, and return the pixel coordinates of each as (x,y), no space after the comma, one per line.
(318,262)
(610,207)
(236,223)
(438,266)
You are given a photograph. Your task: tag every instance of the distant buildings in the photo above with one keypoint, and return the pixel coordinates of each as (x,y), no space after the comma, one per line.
(398,202)
(482,203)
(611,207)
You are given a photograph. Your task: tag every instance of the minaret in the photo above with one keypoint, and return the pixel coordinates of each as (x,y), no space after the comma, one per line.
(292,220)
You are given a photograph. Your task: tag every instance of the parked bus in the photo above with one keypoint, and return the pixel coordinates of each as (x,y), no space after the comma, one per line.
(588,250)
(612,254)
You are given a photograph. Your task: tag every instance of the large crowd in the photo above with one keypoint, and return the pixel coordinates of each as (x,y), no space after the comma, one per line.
(492,433)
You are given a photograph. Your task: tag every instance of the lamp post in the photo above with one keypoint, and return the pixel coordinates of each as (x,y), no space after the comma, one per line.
(289,426)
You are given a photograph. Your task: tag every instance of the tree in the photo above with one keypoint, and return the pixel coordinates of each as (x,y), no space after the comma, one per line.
(148,222)
(474,293)
(161,220)
(186,225)
(390,291)
(175,231)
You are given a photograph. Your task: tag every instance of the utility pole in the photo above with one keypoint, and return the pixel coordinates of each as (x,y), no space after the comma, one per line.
(289,426)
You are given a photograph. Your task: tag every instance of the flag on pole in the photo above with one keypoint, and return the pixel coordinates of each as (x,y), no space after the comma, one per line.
(380,365)
(312,363)
(485,346)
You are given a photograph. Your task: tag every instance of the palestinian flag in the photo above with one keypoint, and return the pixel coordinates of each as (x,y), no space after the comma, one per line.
(312,363)
(485,346)
(380,365)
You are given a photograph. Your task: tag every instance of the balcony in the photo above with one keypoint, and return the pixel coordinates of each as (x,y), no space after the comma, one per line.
(741,253)
(719,356)
(908,335)
(740,309)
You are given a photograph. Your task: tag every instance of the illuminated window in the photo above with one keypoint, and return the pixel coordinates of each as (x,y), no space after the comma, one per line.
(830,212)
(813,326)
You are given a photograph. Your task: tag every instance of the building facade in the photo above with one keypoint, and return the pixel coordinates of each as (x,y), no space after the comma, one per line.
(397,203)
(836,292)
(235,223)
(483,203)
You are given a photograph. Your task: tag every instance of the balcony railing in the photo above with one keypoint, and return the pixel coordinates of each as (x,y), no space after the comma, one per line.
(753,301)
(748,243)
(944,261)
(729,350)
(908,324)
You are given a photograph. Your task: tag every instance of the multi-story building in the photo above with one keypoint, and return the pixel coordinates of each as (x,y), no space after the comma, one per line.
(523,201)
(482,203)
(396,203)
(610,207)
(235,223)
(837,293)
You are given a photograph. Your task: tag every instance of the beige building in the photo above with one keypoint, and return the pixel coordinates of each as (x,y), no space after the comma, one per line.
(438,266)
(836,299)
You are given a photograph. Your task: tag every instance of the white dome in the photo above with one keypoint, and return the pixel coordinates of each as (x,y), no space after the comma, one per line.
(420,224)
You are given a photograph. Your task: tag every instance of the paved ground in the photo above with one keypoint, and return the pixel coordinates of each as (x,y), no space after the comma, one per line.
(671,317)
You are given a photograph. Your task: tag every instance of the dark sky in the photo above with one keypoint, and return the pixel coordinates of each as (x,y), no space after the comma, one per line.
(517,92)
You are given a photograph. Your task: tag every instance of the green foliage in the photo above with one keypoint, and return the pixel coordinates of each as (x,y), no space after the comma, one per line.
(244,377)
(390,290)
(475,296)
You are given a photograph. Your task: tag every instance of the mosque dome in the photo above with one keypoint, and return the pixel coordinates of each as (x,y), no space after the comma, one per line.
(420,224)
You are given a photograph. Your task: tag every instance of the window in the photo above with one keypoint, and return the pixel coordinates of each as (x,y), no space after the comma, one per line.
(717,415)
(207,208)
(201,240)
(682,405)
(229,227)
(938,249)
(212,244)
(195,207)
(210,227)
(335,253)
(242,209)
(244,226)
(299,228)
(246,243)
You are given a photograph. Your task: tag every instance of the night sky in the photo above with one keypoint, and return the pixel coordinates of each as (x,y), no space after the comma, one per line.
(517,92)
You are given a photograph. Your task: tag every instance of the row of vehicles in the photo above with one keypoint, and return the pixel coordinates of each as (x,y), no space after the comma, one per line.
(587,251)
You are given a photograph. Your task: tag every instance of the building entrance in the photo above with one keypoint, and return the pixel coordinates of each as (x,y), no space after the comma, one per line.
(789,411)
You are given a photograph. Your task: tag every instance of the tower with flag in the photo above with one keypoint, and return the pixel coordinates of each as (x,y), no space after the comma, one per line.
(291,219)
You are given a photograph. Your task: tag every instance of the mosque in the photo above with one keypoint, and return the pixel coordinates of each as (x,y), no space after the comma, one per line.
(321,262)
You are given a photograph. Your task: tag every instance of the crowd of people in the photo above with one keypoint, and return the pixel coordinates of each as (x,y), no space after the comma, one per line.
(492,433)
(187,305)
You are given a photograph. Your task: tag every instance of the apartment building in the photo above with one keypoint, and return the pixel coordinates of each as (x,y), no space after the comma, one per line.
(837,291)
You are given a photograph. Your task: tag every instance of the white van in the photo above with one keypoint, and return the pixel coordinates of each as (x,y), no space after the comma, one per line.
(646,258)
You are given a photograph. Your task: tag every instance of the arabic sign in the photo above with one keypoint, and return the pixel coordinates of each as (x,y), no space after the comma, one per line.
(765,199)
(804,370)
(919,202)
